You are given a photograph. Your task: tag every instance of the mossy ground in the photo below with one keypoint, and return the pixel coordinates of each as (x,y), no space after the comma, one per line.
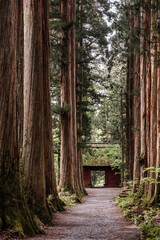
(134,206)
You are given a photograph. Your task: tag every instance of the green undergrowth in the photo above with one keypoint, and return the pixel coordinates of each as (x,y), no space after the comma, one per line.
(135,208)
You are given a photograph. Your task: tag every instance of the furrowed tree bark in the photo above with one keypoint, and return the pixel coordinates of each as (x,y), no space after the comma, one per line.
(136,100)
(131,102)
(79,138)
(129,108)
(14,212)
(66,167)
(50,177)
(33,138)
(148,85)
(79,99)
(127,124)
(69,172)
(37,140)
(157,189)
(136,170)
(142,90)
(149,101)
(153,112)
(157,186)
(19,80)
(77,178)
(79,127)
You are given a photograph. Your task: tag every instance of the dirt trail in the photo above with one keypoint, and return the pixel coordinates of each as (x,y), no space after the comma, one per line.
(98,217)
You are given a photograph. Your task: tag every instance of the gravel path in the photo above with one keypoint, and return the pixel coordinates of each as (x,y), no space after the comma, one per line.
(98,217)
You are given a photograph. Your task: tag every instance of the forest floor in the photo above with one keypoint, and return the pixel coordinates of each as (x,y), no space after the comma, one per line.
(98,217)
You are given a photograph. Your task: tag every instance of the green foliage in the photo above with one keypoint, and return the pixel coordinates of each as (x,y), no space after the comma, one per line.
(153,169)
(150,232)
(97,178)
(108,120)
(151,179)
(117,164)
(111,155)
(56,167)
(124,203)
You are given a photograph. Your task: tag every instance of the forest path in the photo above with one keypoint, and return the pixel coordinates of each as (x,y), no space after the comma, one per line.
(98,217)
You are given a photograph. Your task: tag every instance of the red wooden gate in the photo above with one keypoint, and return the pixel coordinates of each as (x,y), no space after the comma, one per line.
(112,179)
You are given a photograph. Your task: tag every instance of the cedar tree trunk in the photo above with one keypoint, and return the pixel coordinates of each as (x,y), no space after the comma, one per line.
(14,211)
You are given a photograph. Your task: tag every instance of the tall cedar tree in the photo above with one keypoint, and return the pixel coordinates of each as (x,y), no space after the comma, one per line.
(37,138)
(69,170)
(79,99)
(85,40)
(14,212)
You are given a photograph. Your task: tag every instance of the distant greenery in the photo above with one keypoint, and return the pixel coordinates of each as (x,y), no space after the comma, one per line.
(111,155)
(98,178)
(56,166)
